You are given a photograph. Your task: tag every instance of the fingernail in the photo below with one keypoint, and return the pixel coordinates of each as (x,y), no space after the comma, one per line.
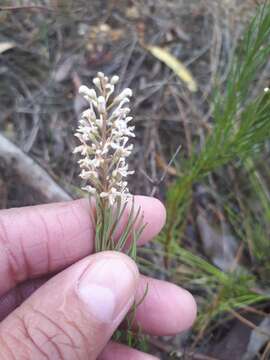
(107,288)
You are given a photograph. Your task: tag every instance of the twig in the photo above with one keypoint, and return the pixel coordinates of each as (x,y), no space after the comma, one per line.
(24,7)
(31,173)
(179,354)
(183,117)
(255,311)
(266,352)
(248,323)
(156,183)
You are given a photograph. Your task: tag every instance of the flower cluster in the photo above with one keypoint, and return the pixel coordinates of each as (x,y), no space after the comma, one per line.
(104,132)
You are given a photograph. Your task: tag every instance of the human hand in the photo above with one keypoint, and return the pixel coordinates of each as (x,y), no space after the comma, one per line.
(72,315)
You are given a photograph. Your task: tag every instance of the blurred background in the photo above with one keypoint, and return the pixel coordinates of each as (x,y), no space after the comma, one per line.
(202,144)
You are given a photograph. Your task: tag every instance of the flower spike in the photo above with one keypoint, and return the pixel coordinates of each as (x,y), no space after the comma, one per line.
(104,132)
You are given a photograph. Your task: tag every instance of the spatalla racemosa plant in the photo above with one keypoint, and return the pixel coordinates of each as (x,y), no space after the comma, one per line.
(104,132)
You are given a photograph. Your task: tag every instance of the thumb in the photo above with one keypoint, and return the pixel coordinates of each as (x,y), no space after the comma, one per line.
(75,313)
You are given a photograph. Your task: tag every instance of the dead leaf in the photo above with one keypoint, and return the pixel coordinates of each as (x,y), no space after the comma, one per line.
(6,45)
(258,339)
(218,244)
(64,69)
(104,34)
(132,12)
(175,65)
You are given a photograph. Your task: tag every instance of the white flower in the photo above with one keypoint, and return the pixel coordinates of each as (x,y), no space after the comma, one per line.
(87,174)
(126,93)
(114,79)
(110,90)
(89,114)
(88,93)
(90,189)
(79,149)
(104,132)
(96,82)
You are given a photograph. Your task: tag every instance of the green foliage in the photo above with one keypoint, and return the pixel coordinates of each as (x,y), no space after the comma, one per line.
(106,219)
(132,335)
(240,123)
(252,223)
(217,291)
(240,129)
(222,291)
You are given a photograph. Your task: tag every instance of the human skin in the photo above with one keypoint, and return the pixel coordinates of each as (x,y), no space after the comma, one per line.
(57,301)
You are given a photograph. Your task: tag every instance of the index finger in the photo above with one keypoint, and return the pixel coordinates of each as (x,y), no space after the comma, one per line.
(42,239)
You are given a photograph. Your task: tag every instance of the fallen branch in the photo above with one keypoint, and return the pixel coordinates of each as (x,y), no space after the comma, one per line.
(31,173)
(24,7)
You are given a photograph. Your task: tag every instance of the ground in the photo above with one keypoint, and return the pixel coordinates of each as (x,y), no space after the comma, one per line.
(49,48)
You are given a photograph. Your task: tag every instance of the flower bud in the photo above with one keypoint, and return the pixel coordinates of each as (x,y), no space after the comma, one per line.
(97,83)
(114,80)
(84,90)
